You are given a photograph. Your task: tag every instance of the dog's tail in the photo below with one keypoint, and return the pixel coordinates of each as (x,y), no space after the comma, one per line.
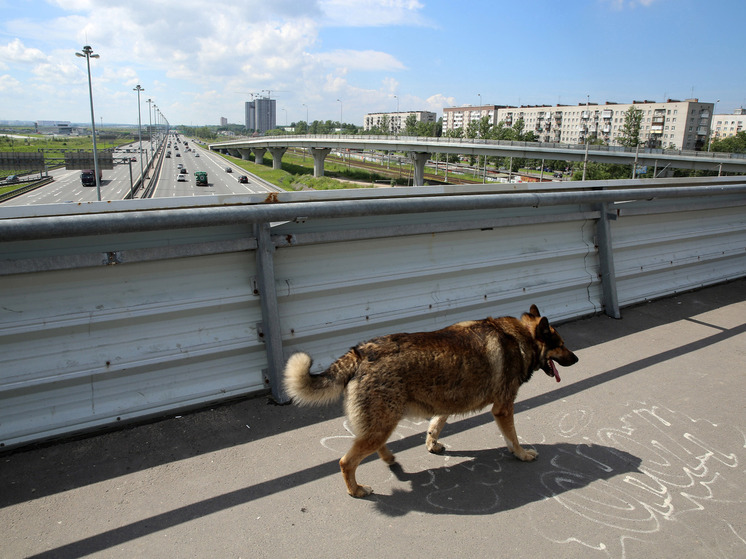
(324,388)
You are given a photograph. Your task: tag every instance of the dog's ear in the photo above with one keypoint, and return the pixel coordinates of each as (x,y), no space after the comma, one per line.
(543,331)
(534,310)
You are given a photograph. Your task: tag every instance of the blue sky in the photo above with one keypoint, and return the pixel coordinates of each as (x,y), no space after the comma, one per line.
(199,61)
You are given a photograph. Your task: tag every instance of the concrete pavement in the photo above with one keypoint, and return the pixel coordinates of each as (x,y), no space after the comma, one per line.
(642,453)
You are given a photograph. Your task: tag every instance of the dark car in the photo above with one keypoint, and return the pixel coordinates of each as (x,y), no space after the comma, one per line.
(228,170)
(243,178)
(182,171)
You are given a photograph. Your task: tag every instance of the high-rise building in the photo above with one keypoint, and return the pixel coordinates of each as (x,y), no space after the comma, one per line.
(223,121)
(261,115)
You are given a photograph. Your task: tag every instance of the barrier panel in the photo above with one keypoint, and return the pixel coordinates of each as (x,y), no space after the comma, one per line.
(123,310)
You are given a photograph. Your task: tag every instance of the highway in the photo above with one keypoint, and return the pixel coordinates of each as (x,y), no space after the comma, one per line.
(219,181)
(116,183)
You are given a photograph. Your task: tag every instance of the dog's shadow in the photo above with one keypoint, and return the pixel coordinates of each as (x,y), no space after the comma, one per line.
(493,481)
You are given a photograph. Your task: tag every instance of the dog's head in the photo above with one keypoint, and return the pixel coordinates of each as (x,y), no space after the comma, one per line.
(551,346)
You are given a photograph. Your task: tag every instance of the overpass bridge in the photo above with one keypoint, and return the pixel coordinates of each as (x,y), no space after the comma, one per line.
(421,149)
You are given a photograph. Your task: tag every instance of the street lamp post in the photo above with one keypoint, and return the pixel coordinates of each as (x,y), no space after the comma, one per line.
(150,128)
(139,130)
(308,130)
(712,117)
(398,117)
(88,54)
(340,116)
(157,129)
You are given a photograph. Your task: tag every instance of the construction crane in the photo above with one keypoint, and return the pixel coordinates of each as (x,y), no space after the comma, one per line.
(269,92)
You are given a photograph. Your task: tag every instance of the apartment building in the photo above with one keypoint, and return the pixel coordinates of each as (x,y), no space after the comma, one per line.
(728,125)
(460,117)
(396,121)
(672,124)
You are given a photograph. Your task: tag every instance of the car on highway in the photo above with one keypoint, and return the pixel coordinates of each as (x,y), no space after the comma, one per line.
(228,170)
(182,171)
(11,178)
(181,178)
(243,178)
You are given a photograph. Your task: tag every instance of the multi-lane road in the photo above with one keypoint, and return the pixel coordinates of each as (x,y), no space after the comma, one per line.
(219,180)
(116,183)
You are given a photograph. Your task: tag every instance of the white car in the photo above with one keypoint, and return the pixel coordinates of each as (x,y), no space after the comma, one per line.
(181,178)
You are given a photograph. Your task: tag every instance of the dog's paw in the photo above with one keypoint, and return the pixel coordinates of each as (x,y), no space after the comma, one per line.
(361,491)
(435,447)
(526,455)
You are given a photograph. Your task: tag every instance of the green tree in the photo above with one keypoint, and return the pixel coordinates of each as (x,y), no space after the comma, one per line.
(385,125)
(630,132)
(410,126)
(731,144)
(485,127)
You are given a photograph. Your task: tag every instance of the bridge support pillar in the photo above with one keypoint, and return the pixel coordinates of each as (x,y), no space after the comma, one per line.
(245,153)
(234,152)
(277,154)
(259,155)
(319,154)
(419,159)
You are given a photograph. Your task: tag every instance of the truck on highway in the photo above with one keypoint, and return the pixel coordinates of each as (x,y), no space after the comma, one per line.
(200,178)
(88,177)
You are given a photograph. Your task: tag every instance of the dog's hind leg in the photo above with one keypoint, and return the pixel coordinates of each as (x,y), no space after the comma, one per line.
(433,432)
(504,419)
(361,448)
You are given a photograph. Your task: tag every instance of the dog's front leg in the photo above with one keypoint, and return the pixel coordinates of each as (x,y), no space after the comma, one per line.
(504,418)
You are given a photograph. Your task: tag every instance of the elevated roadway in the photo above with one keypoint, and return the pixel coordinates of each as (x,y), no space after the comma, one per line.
(421,149)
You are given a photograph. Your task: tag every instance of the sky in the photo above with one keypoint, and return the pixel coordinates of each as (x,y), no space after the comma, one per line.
(198,61)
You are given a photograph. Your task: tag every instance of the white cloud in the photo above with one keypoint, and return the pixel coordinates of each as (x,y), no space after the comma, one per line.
(17,52)
(361,60)
(10,84)
(231,48)
(435,103)
(372,13)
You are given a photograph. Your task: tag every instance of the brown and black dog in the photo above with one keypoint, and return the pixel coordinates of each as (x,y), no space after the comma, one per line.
(459,369)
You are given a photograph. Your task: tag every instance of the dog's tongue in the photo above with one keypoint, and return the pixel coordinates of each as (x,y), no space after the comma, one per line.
(554,370)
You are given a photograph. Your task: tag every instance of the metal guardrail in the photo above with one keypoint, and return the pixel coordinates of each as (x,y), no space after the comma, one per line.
(127,310)
(33,185)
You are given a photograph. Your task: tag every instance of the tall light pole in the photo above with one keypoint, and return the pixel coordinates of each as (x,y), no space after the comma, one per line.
(712,117)
(398,116)
(150,127)
(157,120)
(139,129)
(88,54)
(308,130)
(587,112)
(340,116)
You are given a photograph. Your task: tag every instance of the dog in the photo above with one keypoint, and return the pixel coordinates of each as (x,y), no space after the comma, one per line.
(456,370)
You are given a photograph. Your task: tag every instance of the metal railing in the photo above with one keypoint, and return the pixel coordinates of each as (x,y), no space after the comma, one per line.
(131,309)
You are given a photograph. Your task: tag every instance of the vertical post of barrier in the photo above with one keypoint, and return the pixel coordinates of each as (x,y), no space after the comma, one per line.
(606,261)
(271,332)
